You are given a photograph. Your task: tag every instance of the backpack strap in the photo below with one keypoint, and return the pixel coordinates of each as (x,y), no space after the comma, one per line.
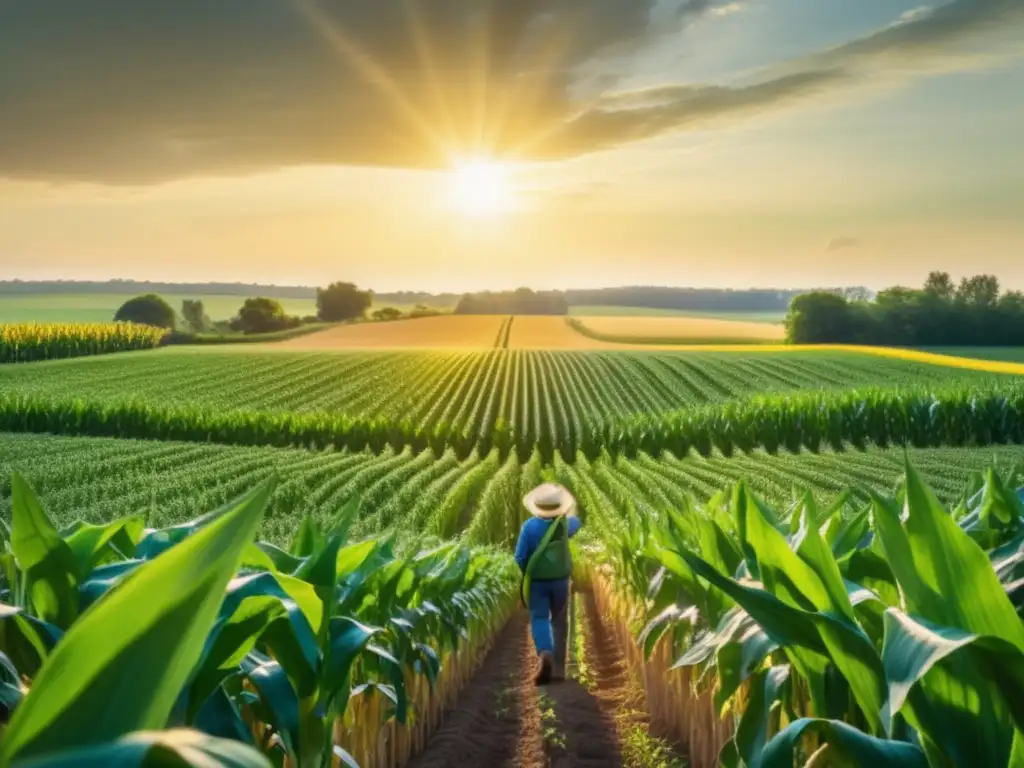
(531,566)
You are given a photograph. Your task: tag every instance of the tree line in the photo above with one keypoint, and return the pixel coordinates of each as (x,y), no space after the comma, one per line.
(143,287)
(338,302)
(973,312)
(651,297)
(522,301)
(700,299)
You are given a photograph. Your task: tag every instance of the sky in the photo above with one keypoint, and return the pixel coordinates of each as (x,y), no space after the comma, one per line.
(485,144)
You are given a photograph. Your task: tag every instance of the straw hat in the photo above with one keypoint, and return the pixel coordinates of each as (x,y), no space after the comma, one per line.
(549,501)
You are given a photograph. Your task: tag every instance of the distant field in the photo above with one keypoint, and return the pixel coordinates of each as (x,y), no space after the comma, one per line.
(442,332)
(469,388)
(1006,354)
(602,311)
(555,332)
(100,307)
(550,332)
(679,330)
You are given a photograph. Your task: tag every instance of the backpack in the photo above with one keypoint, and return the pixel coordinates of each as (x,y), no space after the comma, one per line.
(551,559)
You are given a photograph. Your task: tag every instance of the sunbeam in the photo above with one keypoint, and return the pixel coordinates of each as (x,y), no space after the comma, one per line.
(373,72)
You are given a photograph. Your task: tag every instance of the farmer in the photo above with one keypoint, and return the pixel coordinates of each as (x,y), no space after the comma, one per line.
(543,557)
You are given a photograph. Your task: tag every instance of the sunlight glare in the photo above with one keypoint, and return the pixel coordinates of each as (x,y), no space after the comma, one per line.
(480,188)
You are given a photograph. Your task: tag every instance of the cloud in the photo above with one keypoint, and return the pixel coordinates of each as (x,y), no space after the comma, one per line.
(728,9)
(638,115)
(843,243)
(914,14)
(123,91)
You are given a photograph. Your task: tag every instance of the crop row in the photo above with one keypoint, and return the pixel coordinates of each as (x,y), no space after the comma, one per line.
(823,631)
(914,416)
(30,342)
(99,480)
(338,649)
(533,393)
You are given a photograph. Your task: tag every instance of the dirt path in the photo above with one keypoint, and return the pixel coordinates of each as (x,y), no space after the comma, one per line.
(503,720)
(496,722)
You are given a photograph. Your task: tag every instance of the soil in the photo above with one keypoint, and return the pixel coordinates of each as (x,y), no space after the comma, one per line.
(498,722)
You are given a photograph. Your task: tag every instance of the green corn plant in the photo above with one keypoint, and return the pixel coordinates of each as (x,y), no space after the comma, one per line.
(346,650)
(306,651)
(96,688)
(863,635)
(552,414)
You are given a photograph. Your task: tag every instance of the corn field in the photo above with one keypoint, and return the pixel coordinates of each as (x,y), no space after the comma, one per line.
(951,416)
(881,632)
(255,651)
(100,479)
(786,591)
(700,584)
(30,342)
(530,392)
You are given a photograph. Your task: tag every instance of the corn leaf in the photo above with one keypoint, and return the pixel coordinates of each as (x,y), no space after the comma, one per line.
(851,649)
(102,579)
(320,568)
(256,608)
(48,564)
(156,541)
(280,701)
(178,748)
(965,692)
(738,658)
(960,587)
(790,628)
(847,742)
(163,612)
(27,641)
(752,732)
(265,555)
(92,543)
(787,624)
(348,639)
(220,716)
(308,538)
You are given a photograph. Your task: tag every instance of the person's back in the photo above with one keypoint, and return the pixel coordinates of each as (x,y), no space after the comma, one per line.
(555,562)
(544,558)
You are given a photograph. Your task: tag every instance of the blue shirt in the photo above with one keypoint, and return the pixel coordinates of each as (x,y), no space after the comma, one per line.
(531,534)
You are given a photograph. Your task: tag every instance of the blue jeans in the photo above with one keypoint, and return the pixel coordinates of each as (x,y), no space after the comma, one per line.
(548,602)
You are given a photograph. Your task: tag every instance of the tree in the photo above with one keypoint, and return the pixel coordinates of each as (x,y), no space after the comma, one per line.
(939,285)
(195,315)
(386,313)
(821,317)
(939,314)
(422,310)
(262,315)
(342,301)
(856,294)
(901,312)
(522,301)
(1012,302)
(979,291)
(148,309)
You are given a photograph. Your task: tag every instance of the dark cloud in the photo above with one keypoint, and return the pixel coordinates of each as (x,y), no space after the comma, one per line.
(843,243)
(126,91)
(642,114)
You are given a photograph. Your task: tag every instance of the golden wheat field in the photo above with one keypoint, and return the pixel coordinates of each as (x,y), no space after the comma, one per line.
(442,332)
(681,330)
(551,332)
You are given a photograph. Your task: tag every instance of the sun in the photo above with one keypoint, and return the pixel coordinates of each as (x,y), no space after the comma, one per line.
(480,188)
